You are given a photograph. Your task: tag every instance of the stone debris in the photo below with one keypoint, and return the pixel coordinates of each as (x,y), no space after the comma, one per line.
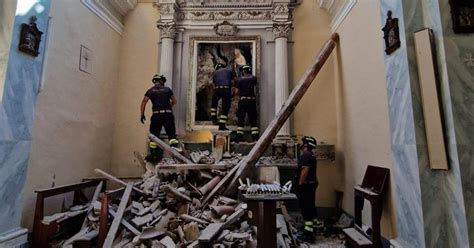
(166,207)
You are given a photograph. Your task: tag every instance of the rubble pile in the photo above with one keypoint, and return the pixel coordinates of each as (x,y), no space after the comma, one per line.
(165,209)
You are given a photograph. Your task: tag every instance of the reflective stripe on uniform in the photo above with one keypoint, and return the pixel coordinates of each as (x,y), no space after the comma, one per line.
(308,228)
(240,130)
(308,223)
(173,141)
(152,145)
(223,117)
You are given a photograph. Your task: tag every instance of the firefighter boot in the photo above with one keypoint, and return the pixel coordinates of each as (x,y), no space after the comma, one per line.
(155,156)
(255,133)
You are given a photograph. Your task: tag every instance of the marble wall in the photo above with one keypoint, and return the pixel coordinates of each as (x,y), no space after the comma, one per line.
(7,17)
(459,53)
(442,224)
(16,115)
(409,213)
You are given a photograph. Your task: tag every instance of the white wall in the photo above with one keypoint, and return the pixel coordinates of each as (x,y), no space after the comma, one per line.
(138,64)
(362,107)
(74,118)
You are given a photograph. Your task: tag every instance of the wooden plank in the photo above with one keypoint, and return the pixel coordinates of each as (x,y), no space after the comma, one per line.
(234,217)
(118,218)
(95,197)
(125,223)
(175,192)
(191,218)
(287,109)
(193,167)
(210,232)
(66,188)
(169,149)
(112,178)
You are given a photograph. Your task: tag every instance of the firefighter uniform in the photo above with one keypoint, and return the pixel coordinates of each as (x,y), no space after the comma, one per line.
(247,103)
(307,190)
(222,80)
(160,97)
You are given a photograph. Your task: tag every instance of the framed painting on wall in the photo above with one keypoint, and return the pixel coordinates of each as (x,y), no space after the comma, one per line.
(233,52)
(462,12)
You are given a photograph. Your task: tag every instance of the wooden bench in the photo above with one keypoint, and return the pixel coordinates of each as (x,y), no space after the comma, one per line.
(43,232)
(372,189)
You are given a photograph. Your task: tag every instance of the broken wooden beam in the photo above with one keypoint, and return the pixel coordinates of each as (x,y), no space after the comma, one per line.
(118,218)
(112,178)
(125,223)
(183,167)
(175,192)
(169,149)
(287,109)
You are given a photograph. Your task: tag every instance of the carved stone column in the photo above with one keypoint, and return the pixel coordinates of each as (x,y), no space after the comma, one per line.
(168,34)
(281,32)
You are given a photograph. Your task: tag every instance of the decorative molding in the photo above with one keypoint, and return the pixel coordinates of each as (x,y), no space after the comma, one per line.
(167,29)
(338,10)
(203,14)
(113,12)
(123,6)
(282,30)
(226,28)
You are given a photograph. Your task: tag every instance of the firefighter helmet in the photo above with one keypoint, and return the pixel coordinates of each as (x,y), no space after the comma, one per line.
(308,140)
(246,68)
(159,77)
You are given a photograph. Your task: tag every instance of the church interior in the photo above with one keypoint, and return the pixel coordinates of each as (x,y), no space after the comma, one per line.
(385,87)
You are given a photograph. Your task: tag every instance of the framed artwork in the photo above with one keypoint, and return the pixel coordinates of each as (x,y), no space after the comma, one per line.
(462,12)
(233,52)
(391,34)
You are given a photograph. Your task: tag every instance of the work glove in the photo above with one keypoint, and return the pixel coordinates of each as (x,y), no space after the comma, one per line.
(143,119)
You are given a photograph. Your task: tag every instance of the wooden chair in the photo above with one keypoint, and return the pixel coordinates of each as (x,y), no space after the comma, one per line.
(373,188)
(42,233)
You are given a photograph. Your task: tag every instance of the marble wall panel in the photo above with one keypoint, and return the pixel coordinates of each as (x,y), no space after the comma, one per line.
(408,208)
(21,84)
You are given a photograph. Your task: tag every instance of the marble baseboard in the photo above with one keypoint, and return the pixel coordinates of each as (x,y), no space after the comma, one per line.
(16,238)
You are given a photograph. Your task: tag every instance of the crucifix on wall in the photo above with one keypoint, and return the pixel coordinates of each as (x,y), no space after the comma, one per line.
(85,59)
(469,60)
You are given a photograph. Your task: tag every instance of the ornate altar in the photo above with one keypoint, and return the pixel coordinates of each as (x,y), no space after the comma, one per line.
(197,34)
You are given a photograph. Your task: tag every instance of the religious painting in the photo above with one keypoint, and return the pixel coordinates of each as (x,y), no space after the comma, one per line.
(462,12)
(30,38)
(233,53)
(391,34)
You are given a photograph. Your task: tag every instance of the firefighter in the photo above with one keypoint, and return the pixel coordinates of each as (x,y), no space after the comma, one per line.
(307,183)
(162,99)
(222,80)
(245,88)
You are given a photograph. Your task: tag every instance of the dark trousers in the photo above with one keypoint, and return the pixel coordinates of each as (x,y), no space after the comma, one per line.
(247,107)
(163,119)
(306,198)
(226,97)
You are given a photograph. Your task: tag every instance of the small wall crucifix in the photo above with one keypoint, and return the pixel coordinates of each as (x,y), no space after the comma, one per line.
(85,58)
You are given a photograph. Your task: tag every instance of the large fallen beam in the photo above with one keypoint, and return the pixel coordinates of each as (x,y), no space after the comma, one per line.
(271,131)
(169,149)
